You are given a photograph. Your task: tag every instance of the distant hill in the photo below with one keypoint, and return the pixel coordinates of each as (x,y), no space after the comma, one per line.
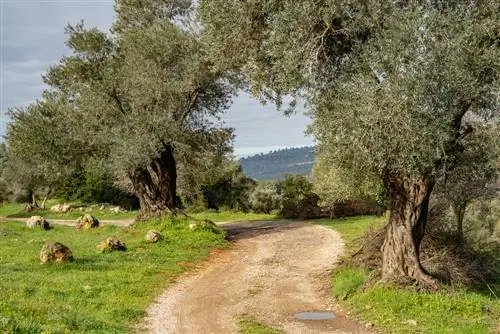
(275,164)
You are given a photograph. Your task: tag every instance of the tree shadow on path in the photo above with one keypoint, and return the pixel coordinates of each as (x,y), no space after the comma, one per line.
(249,229)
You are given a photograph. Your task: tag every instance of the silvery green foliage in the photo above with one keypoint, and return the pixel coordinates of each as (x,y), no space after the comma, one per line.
(335,185)
(266,197)
(399,107)
(125,96)
(475,173)
(387,83)
(42,148)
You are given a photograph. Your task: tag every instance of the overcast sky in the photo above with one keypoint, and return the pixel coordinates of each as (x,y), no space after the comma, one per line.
(32,38)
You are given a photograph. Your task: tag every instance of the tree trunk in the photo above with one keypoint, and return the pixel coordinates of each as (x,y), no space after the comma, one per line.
(46,197)
(33,200)
(459,211)
(155,185)
(408,205)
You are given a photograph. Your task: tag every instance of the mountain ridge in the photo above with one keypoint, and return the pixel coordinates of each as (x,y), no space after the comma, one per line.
(275,164)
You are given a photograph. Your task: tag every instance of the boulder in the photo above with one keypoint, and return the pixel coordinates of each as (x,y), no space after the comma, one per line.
(116,209)
(38,221)
(55,252)
(61,208)
(87,222)
(204,225)
(153,236)
(111,245)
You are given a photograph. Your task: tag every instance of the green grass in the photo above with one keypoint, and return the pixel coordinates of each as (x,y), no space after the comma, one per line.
(16,210)
(97,293)
(248,325)
(228,216)
(393,309)
(347,281)
(353,229)
(396,310)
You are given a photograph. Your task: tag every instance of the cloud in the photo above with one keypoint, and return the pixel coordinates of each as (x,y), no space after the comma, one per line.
(32,35)
(32,39)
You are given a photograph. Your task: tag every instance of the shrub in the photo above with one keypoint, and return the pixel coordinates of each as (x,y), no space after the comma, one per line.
(299,200)
(230,192)
(266,197)
(91,186)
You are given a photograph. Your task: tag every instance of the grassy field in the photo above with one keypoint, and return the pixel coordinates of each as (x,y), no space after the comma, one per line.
(396,310)
(16,210)
(228,216)
(96,293)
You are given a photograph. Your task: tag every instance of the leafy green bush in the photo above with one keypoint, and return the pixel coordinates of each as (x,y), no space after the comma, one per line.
(230,192)
(299,200)
(266,197)
(91,186)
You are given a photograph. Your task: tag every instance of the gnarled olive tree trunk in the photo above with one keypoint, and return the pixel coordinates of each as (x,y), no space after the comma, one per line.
(408,204)
(155,185)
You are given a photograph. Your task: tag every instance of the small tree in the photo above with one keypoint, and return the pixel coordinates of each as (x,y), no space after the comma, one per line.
(474,174)
(41,148)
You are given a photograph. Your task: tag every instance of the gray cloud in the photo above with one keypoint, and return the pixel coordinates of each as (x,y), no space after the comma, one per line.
(32,39)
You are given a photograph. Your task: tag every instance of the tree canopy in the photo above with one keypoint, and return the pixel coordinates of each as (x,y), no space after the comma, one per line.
(139,102)
(387,83)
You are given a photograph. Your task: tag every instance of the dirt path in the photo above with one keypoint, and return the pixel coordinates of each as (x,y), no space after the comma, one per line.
(72,222)
(272,271)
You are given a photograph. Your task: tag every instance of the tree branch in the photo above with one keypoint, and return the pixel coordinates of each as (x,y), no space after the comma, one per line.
(192,102)
(119,103)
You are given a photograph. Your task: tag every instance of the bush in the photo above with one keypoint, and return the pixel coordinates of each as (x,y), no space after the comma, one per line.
(266,197)
(196,204)
(230,192)
(91,186)
(355,207)
(299,200)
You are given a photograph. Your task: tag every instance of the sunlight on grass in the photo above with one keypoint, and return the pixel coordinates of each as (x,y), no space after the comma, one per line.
(347,280)
(97,293)
(353,229)
(396,310)
(16,210)
(401,311)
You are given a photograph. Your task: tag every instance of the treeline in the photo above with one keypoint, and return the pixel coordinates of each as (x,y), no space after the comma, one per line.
(276,164)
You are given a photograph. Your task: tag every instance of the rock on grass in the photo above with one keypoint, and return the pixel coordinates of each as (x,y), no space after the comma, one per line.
(86,222)
(204,225)
(38,221)
(55,252)
(110,245)
(153,236)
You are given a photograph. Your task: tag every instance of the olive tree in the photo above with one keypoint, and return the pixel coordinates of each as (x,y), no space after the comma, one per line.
(387,83)
(41,148)
(473,176)
(144,98)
